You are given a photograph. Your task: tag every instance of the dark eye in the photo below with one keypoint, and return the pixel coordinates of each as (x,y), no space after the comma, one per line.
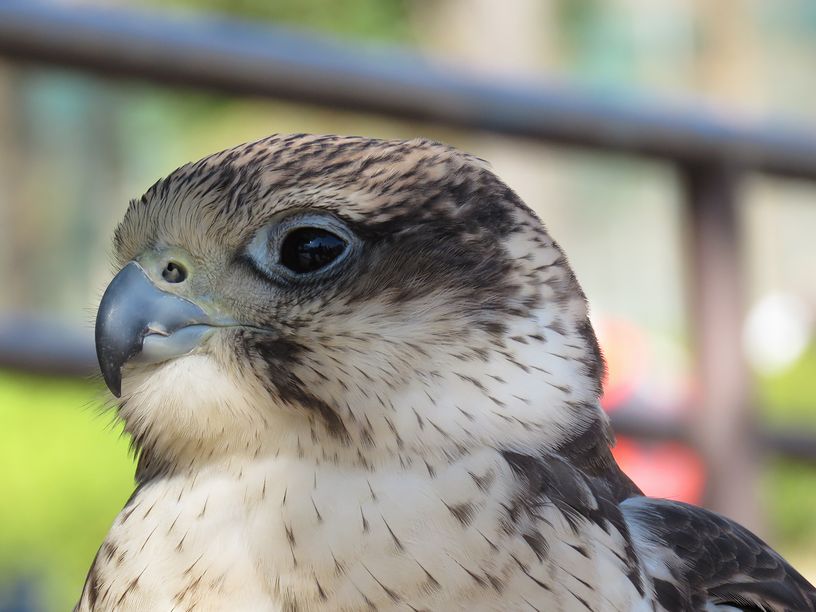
(308,249)
(303,246)
(174,272)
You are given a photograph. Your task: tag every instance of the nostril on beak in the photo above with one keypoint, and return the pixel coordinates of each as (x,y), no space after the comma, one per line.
(139,321)
(174,272)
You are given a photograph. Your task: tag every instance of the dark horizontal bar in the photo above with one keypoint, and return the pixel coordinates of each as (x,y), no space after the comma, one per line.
(38,345)
(243,58)
(640,421)
(41,345)
(788,443)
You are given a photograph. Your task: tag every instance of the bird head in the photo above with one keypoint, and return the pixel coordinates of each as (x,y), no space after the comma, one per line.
(355,300)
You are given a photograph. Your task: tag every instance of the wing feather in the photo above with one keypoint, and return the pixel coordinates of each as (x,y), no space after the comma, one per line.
(712,561)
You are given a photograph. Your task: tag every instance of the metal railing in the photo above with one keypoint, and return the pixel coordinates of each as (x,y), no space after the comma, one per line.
(710,153)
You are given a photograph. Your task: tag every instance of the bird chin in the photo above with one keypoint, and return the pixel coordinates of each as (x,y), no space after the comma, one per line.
(193,399)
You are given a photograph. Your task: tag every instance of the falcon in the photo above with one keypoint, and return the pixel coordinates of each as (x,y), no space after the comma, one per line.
(359,375)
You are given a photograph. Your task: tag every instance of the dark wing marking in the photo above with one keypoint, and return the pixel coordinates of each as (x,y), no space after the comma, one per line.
(550,480)
(589,450)
(713,560)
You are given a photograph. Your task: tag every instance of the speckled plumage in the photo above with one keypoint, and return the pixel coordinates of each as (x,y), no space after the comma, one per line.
(416,430)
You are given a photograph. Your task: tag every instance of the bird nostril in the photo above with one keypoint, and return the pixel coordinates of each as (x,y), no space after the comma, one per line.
(174,272)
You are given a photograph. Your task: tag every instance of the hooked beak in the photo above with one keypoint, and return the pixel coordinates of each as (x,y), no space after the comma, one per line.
(140,322)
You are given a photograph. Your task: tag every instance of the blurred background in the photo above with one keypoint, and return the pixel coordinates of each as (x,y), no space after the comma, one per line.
(699,271)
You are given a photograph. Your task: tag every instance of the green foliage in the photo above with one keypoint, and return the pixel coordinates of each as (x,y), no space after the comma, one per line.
(790,488)
(789,492)
(66,472)
(382,20)
(790,395)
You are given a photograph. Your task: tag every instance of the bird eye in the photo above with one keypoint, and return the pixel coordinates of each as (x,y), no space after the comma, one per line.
(302,246)
(174,272)
(308,249)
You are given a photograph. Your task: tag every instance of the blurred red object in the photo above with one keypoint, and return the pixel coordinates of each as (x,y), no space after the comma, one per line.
(625,349)
(660,469)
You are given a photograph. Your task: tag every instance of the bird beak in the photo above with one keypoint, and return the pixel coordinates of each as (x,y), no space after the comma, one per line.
(138,321)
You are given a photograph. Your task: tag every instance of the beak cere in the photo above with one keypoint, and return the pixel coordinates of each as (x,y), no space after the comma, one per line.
(140,322)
